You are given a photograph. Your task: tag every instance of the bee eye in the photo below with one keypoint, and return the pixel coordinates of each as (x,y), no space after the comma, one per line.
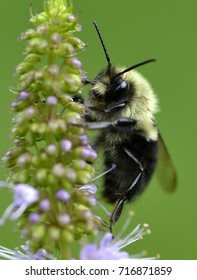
(121,86)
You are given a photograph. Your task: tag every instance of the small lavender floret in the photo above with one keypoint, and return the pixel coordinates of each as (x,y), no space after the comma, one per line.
(45,205)
(51,100)
(63,195)
(51,149)
(89,153)
(30,111)
(64,219)
(24,95)
(34,218)
(66,145)
(84,139)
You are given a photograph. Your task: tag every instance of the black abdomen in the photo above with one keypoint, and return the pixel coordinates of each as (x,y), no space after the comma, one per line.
(118,182)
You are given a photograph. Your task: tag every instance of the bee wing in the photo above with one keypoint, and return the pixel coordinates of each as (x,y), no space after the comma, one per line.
(166,172)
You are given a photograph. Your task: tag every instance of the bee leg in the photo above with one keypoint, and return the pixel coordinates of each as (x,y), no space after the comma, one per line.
(108,110)
(117,211)
(117,124)
(86,81)
(123,197)
(141,169)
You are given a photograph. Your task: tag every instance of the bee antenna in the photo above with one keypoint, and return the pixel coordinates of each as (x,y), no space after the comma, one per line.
(134,66)
(103,44)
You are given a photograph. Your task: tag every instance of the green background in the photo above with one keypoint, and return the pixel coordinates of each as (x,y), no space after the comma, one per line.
(133,31)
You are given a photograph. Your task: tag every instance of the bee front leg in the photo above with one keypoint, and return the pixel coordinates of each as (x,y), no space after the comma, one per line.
(117,124)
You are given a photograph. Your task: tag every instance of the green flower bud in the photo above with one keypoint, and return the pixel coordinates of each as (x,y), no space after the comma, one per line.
(25,81)
(38,232)
(32,58)
(28,34)
(23,68)
(24,160)
(20,176)
(76,107)
(84,177)
(67,236)
(39,18)
(59,170)
(65,99)
(41,176)
(76,43)
(55,40)
(37,46)
(54,233)
(53,70)
(42,29)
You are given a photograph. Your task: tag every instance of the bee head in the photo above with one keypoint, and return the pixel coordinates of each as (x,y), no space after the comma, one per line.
(121,92)
(108,88)
(113,84)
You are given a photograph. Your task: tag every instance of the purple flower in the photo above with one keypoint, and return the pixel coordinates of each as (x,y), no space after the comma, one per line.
(58,170)
(66,145)
(64,219)
(24,196)
(75,62)
(45,205)
(51,149)
(89,188)
(88,153)
(84,139)
(51,100)
(25,254)
(24,95)
(34,218)
(63,195)
(107,250)
(29,112)
(110,248)
(92,201)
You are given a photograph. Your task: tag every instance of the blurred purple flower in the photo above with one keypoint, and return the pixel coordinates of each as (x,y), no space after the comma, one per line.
(34,218)
(66,145)
(45,205)
(25,254)
(89,188)
(63,195)
(111,248)
(107,250)
(51,100)
(24,196)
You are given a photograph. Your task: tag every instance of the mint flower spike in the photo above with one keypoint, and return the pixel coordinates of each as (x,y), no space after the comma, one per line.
(50,153)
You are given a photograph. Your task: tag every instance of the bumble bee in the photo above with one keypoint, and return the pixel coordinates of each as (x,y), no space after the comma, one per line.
(122,105)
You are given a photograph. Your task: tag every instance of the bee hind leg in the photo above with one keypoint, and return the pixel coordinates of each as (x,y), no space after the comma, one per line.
(117,211)
(123,197)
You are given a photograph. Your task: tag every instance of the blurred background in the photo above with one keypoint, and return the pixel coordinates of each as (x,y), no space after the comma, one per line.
(133,31)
